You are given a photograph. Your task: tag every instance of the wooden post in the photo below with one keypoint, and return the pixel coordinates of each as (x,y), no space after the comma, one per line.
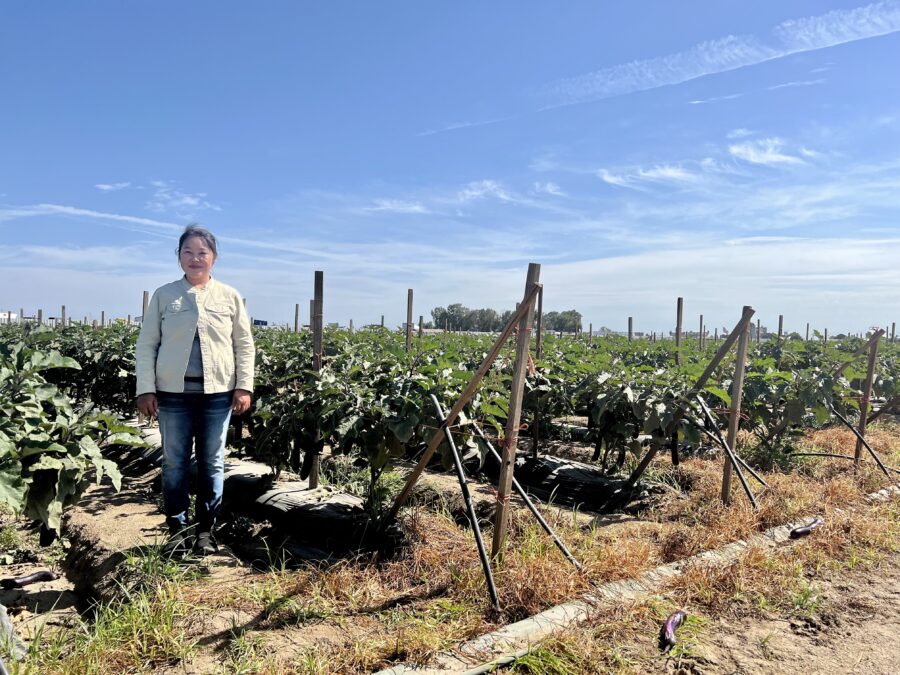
(350,327)
(737,387)
(864,402)
(62,317)
(129,319)
(146,303)
(780,327)
(511,436)
(297,317)
(40,317)
(22,315)
(700,334)
(678,316)
(539,345)
(409,310)
(630,329)
(461,402)
(382,320)
(807,331)
(716,336)
(421,324)
(317,324)
(590,333)
(103,317)
(825,339)
(893,330)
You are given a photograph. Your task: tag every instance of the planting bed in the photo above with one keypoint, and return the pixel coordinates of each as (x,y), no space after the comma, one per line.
(363,613)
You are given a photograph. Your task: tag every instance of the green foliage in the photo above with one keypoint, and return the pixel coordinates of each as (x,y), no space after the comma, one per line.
(48,449)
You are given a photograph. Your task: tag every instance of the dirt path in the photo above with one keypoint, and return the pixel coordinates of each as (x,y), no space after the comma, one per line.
(855,630)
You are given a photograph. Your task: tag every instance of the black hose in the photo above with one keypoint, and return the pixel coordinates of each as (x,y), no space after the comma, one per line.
(863,440)
(728,451)
(531,507)
(470,508)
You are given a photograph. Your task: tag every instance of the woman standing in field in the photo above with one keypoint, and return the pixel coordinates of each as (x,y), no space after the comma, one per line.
(195,359)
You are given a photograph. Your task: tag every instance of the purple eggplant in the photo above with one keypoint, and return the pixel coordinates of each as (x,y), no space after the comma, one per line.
(798,532)
(21,582)
(667,634)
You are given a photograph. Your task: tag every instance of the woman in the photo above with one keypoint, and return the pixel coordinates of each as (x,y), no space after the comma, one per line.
(194,368)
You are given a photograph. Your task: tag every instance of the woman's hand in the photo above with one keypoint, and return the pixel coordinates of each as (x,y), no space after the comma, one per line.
(147,405)
(240,401)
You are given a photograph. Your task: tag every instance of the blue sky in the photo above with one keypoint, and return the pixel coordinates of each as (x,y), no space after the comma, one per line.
(728,153)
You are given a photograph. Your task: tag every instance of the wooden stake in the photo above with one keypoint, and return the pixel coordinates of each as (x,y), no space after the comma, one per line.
(409,308)
(316,319)
(103,317)
(146,303)
(700,334)
(539,346)
(297,317)
(864,402)
(128,320)
(421,325)
(631,329)
(382,320)
(807,331)
(22,315)
(590,333)
(758,331)
(780,327)
(351,327)
(679,310)
(737,387)
(511,435)
(893,330)
(40,317)
(62,316)
(733,336)
(464,398)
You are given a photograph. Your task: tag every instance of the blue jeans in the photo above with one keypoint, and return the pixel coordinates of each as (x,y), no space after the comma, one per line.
(198,421)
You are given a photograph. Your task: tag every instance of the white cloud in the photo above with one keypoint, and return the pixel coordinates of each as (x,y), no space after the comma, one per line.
(766,151)
(549,188)
(111,187)
(726,97)
(167,197)
(799,83)
(485,188)
(12,213)
(396,206)
(674,174)
(728,53)
(739,133)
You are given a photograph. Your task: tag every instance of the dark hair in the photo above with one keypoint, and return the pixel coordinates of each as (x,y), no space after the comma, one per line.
(197,230)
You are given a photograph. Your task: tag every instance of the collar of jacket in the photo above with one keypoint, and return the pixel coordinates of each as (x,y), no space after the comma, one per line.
(186,285)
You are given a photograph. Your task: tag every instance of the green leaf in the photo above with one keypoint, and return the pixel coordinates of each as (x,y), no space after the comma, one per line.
(13,487)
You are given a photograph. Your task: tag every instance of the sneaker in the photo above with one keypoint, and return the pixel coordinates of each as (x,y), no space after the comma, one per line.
(205,544)
(179,544)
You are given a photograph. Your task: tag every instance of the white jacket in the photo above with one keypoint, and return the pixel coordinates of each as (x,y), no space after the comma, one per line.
(178,310)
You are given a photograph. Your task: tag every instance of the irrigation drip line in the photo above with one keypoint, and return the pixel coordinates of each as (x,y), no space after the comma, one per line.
(531,507)
(470,508)
(834,455)
(731,455)
(864,442)
(739,458)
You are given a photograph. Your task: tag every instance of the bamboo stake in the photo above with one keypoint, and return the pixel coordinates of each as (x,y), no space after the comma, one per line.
(511,435)
(464,398)
(409,310)
(731,456)
(737,387)
(864,402)
(679,310)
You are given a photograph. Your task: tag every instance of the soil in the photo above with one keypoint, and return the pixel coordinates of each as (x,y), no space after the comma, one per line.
(855,631)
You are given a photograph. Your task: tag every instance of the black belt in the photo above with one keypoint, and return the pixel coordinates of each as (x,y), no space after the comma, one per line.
(187,378)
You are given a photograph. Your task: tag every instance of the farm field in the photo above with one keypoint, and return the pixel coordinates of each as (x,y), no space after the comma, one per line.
(405,591)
